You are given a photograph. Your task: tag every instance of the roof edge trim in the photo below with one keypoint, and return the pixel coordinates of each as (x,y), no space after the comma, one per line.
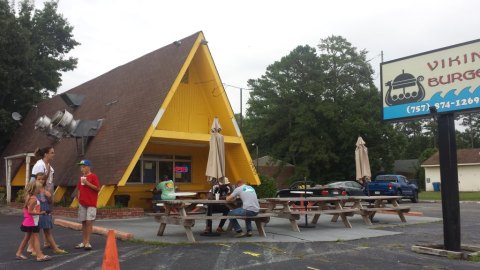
(158,117)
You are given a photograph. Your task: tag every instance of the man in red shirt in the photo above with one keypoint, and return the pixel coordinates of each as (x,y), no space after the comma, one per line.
(87,195)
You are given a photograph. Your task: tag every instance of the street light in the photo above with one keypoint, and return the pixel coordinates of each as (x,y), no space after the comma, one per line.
(256,153)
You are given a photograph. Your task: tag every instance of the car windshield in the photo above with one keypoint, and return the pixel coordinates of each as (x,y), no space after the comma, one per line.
(335,185)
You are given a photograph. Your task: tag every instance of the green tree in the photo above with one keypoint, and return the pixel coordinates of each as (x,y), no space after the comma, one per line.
(470,138)
(33,49)
(309,108)
(421,134)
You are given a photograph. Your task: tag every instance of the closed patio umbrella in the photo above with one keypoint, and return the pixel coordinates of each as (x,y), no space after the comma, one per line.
(362,164)
(216,155)
(215,165)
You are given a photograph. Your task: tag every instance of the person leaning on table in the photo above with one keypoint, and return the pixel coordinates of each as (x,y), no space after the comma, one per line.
(250,207)
(223,189)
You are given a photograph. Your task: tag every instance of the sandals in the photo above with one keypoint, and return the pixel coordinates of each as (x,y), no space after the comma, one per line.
(21,257)
(220,230)
(85,247)
(60,251)
(44,258)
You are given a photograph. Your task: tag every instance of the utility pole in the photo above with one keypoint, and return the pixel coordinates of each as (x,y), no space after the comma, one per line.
(256,154)
(241,110)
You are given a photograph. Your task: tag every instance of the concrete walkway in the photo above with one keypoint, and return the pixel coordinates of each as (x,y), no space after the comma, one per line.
(277,230)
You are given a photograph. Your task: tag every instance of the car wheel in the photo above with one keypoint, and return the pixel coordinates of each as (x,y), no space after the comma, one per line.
(414,199)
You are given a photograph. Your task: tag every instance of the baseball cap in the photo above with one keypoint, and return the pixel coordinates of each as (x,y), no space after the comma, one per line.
(226,181)
(85,162)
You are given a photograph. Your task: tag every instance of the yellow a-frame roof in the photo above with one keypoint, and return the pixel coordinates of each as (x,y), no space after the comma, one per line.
(196,97)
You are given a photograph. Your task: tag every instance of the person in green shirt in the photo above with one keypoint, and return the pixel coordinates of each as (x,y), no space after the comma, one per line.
(167,189)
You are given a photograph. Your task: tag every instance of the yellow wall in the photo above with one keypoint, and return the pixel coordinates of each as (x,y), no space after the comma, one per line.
(140,195)
(19,179)
(196,103)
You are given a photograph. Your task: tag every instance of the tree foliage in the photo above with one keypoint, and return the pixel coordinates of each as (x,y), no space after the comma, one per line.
(33,51)
(309,108)
(470,138)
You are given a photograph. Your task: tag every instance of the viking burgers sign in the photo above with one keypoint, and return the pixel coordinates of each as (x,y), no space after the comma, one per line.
(447,78)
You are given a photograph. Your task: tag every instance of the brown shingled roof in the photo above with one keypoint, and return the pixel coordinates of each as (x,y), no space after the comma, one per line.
(464,156)
(127,98)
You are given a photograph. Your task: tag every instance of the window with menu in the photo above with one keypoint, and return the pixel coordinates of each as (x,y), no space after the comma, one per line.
(155,168)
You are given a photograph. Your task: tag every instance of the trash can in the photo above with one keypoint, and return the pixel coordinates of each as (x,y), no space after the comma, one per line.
(436,186)
(122,200)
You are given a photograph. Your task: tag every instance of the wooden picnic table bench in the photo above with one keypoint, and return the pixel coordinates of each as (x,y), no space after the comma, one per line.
(187,219)
(321,205)
(368,211)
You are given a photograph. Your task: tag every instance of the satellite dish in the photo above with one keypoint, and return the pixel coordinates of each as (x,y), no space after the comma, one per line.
(16,116)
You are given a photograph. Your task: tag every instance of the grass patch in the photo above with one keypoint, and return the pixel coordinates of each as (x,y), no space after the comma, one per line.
(475,258)
(464,196)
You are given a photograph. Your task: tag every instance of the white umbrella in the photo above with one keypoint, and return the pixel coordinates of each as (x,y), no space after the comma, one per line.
(362,164)
(216,155)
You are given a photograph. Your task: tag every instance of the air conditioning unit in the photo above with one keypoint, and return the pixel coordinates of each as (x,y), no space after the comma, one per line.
(44,124)
(63,120)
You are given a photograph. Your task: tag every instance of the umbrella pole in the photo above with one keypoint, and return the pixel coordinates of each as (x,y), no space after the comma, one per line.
(210,213)
(306,225)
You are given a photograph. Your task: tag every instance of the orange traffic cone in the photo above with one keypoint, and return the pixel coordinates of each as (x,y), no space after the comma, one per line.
(110,258)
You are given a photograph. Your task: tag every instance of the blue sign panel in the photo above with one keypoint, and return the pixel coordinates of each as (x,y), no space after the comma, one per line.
(447,79)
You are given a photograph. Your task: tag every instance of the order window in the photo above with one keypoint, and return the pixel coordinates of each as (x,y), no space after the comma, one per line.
(155,168)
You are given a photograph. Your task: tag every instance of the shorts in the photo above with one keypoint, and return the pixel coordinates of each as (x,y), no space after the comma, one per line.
(31,229)
(86,213)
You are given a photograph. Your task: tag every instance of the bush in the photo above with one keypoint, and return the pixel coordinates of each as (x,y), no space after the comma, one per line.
(267,188)
(3,194)
(20,196)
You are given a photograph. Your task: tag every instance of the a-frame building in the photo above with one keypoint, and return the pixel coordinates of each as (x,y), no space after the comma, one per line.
(156,114)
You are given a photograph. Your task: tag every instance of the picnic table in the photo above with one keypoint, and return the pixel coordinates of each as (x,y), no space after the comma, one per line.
(368,206)
(179,212)
(323,205)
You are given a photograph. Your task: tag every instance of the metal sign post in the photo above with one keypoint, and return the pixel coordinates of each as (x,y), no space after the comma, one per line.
(449,183)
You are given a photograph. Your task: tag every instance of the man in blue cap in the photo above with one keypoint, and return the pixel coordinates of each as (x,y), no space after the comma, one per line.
(87,195)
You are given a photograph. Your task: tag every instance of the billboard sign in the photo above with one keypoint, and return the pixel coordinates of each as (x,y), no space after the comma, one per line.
(447,78)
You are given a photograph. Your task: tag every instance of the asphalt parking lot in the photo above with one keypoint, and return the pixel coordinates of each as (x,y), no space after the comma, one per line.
(391,251)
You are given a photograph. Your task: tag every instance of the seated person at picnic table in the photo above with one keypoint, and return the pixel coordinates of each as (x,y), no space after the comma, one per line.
(250,207)
(224,189)
(164,190)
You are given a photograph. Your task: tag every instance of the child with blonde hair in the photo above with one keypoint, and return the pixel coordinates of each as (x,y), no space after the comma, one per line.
(31,213)
(45,222)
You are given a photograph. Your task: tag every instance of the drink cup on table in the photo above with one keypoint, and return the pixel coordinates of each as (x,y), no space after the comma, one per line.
(82,180)
(217,196)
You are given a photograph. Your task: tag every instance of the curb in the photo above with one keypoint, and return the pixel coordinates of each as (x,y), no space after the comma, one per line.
(97,230)
(440,201)
(411,213)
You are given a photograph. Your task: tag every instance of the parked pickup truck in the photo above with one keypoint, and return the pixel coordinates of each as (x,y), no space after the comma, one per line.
(394,185)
